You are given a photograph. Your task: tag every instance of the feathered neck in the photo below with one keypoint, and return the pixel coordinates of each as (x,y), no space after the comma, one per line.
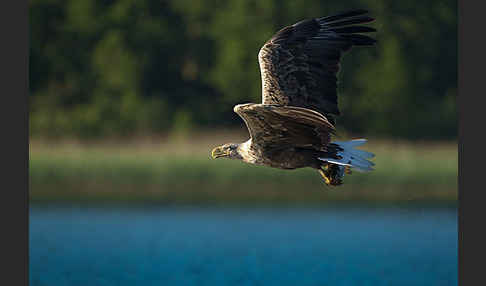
(246,152)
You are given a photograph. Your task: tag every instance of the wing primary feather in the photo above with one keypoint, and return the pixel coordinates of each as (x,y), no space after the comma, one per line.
(353,29)
(360,40)
(357,20)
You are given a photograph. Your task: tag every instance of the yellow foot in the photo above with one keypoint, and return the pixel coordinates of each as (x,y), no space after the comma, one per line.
(324,176)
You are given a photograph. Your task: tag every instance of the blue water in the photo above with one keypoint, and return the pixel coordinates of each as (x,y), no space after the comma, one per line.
(248,246)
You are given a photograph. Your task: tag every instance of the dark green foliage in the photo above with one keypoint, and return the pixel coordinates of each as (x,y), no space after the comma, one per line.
(110,68)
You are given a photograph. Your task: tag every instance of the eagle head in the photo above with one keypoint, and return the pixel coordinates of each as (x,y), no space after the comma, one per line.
(229,150)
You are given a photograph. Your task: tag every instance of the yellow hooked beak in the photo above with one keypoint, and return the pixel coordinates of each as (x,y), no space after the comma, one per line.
(219,152)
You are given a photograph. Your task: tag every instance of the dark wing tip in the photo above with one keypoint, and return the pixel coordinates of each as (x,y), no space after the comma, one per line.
(347,21)
(354,29)
(345,25)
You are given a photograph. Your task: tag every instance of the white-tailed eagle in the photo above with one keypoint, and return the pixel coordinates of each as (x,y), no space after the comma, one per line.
(292,127)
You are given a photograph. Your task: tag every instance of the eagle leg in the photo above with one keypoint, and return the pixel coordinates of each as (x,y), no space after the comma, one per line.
(330,174)
(324,176)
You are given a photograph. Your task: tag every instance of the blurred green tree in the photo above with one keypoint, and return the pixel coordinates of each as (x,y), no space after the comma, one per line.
(128,67)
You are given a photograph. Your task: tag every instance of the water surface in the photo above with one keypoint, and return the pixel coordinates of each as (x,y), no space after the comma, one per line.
(247,246)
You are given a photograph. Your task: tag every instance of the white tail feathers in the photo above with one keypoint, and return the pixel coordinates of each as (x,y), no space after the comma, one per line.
(354,158)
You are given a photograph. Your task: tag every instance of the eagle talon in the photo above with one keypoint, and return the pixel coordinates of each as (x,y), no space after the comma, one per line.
(330,174)
(325,177)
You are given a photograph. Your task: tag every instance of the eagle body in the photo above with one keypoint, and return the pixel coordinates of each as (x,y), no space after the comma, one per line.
(287,158)
(284,137)
(292,127)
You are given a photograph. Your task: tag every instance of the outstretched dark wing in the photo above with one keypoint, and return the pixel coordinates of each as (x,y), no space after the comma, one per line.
(276,127)
(299,63)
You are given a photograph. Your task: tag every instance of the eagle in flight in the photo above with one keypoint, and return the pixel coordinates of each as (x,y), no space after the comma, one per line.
(292,127)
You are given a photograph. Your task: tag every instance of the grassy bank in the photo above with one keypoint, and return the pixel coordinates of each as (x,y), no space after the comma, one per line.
(181,171)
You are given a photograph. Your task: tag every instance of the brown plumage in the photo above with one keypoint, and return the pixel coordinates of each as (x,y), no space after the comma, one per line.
(292,127)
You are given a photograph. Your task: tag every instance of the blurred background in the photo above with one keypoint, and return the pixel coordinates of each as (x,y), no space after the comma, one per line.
(128,97)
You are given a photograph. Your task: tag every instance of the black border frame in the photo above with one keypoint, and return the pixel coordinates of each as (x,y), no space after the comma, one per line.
(470,112)
(14,25)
